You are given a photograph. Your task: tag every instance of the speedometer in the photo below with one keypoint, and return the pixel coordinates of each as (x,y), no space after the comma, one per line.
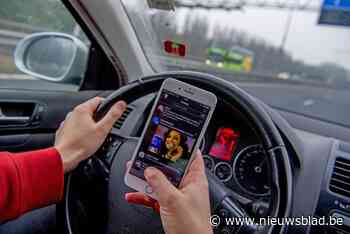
(250,170)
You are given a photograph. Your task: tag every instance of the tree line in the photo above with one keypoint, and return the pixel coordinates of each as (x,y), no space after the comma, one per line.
(49,14)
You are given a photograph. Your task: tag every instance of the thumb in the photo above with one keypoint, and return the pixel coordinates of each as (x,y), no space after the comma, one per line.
(112,116)
(197,168)
(164,190)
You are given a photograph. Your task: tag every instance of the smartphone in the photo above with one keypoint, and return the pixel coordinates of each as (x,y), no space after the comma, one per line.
(172,134)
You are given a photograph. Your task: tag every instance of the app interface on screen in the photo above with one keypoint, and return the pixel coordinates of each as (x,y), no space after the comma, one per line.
(171,136)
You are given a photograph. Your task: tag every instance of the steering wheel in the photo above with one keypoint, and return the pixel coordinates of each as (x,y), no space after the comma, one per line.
(112,214)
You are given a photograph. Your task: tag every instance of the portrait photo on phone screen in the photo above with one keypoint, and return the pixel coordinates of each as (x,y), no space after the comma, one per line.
(171,135)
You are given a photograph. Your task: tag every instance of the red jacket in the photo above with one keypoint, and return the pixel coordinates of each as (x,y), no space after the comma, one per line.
(28,181)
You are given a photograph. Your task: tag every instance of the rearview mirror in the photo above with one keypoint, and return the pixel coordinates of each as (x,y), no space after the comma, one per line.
(55,57)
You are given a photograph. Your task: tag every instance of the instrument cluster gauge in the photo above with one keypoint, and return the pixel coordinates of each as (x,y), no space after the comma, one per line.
(223,171)
(250,169)
(209,162)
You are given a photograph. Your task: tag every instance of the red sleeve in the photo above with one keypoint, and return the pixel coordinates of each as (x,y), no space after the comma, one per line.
(29,180)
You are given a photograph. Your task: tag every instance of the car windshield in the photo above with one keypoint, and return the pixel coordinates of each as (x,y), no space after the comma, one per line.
(294,43)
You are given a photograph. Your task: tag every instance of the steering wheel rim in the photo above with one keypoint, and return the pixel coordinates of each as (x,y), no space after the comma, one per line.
(271,140)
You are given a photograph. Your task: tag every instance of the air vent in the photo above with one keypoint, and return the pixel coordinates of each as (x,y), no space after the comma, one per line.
(340,180)
(121,120)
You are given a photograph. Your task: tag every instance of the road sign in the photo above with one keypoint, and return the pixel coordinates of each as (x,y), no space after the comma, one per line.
(335,12)
(337,4)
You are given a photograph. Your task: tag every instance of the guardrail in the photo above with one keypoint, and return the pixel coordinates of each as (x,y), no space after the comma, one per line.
(10,38)
(4,76)
(12,32)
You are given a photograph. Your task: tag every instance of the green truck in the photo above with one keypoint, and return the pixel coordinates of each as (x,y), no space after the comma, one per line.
(237,59)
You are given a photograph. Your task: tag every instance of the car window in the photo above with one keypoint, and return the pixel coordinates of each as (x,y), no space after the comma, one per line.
(41,43)
(298,49)
(290,41)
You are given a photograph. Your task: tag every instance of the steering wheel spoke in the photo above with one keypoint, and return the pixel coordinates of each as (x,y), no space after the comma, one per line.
(100,164)
(109,149)
(226,206)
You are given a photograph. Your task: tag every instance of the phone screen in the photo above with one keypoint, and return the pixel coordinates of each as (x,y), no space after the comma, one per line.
(171,136)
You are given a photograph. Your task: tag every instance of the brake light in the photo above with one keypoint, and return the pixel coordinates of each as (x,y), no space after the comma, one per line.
(175,48)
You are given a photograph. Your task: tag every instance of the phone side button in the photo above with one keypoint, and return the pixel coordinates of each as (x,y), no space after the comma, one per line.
(148,189)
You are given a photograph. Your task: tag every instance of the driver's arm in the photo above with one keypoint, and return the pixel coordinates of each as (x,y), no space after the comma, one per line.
(28,181)
(34,179)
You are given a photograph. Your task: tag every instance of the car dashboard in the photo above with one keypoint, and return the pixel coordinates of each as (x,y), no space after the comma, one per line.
(232,151)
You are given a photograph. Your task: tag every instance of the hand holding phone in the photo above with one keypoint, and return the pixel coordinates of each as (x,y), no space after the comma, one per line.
(173,132)
(183,210)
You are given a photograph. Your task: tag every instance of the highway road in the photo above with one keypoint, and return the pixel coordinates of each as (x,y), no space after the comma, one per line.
(319,102)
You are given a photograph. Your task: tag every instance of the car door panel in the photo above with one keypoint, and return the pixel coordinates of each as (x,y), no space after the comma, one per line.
(24,142)
(44,110)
